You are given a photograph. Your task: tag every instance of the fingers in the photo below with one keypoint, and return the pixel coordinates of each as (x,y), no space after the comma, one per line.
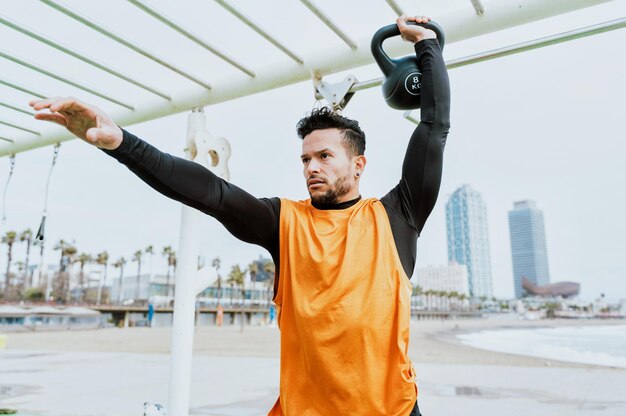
(45,103)
(57,104)
(401,21)
(68,105)
(417,19)
(55,118)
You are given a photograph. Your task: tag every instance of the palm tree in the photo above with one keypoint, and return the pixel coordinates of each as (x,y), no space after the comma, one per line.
(417,292)
(216,263)
(443,299)
(462,298)
(103,260)
(428,293)
(171,262)
(20,272)
(9,240)
(440,295)
(27,236)
(61,285)
(83,258)
(120,264)
(235,277)
(137,258)
(455,296)
(57,285)
(150,251)
(270,268)
(448,298)
(432,294)
(253,269)
(70,254)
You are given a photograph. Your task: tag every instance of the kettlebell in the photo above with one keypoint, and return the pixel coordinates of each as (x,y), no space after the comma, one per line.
(402,85)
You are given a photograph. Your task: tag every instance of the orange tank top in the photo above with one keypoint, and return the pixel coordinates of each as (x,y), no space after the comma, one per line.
(343,305)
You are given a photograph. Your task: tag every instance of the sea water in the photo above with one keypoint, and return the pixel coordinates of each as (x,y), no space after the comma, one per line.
(600,345)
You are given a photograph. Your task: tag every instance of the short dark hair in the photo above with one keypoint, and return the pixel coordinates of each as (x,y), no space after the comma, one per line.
(326,118)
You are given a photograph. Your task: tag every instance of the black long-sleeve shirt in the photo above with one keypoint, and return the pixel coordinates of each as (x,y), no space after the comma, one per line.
(256,220)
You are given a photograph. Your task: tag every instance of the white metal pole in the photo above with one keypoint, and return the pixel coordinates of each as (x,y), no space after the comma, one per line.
(199,144)
(184,299)
(184,307)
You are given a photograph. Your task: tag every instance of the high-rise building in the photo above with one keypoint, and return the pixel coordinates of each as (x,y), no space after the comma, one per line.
(528,245)
(452,278)
(468,238)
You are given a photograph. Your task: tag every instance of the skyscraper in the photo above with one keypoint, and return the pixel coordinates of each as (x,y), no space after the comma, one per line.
(468,238)
(528,245)
(452,278)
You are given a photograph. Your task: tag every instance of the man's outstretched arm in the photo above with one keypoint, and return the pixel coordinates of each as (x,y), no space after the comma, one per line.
(246,217)
(249,219)
(415,196)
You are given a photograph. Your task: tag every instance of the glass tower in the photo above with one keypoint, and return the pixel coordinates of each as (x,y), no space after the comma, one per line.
(528,245)
(468,238)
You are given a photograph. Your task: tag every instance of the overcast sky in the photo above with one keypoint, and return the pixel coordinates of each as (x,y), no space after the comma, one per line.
(545,125)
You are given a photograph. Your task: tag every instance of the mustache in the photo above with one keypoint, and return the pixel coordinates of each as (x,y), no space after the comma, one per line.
(316,178)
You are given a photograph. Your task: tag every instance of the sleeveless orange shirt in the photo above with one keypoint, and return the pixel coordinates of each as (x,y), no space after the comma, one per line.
(343,305)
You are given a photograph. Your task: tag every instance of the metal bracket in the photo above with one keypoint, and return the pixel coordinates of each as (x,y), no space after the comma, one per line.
(338,94)
(202,147)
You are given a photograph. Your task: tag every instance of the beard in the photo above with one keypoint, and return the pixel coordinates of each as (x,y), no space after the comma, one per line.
(338,189)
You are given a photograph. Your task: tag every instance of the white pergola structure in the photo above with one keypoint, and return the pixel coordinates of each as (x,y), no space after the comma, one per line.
(175,85)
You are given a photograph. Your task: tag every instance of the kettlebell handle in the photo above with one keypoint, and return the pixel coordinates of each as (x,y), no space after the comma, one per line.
(387,64)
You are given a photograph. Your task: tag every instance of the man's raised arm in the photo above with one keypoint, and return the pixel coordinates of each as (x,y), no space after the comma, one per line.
(415,196)
(246,217)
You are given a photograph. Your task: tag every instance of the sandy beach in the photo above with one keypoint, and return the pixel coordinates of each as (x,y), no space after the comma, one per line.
(113,371)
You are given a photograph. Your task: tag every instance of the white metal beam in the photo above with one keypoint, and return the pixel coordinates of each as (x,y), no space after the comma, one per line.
(79,55)
(459,24)
(191,36)
(119,39)
(395,7)
(258,29)
(539,43)
(22,88)
(515,49)
(16,108)
(331,25)
(66,80)
(18,127)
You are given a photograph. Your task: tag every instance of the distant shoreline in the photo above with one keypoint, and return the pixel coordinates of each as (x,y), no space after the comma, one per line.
(432,341)
(448,331)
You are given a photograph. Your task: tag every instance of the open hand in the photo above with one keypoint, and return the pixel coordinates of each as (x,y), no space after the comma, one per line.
(414,33)
(83,120)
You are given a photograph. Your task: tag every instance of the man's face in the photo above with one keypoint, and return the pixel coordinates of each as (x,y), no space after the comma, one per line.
(328,169)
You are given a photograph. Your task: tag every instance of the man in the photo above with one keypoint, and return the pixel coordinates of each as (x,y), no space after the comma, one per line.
(342,262)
